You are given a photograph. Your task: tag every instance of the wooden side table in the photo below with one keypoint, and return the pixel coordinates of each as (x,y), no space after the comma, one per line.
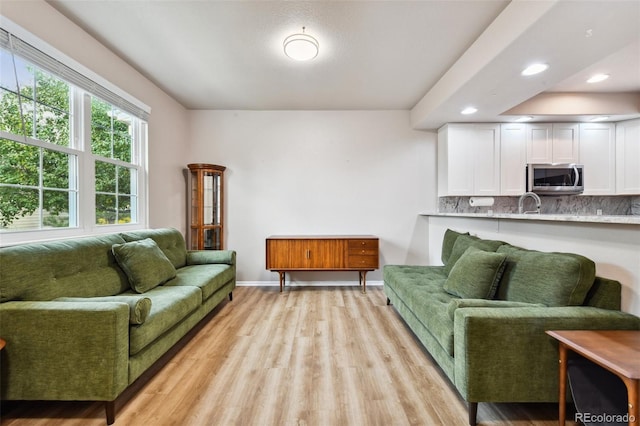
(616,350)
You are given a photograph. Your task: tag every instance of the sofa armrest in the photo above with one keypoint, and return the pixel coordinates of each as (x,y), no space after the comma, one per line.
(503,354)
(201,257)
(64,350)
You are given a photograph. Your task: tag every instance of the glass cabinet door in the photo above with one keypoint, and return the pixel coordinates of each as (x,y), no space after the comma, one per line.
(205,207)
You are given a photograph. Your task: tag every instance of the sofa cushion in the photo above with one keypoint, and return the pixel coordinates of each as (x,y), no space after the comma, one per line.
(82,267)
(144,263)
(170,240)
(476,274)
(553,279)
(449,239)
(169,306)
(463,242)
(209,278)
(421,289)
(139,306)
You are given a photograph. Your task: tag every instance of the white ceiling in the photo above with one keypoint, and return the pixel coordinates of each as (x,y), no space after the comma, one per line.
(430,57)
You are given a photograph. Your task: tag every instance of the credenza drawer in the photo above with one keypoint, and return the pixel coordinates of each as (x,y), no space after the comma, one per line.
(362,245)
(357,261)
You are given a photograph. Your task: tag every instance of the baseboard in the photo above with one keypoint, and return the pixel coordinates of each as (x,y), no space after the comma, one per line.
(305,283)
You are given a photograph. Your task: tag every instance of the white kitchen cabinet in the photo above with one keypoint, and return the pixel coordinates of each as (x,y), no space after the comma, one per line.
(598,156)
(469,159)
(552,142)
(628,157)
(513,158)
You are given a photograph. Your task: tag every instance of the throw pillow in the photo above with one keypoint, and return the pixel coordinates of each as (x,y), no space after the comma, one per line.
(476,274)
(463,242)
(449,239)
(144,264)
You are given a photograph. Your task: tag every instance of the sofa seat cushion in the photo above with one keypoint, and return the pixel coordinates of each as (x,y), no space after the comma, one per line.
(169,306)
(421,289)
(476,274)
(144,263)
(209,278)
(553,279)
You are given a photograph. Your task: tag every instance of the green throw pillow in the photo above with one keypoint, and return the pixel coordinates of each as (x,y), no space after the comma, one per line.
(449,239)
(463,242)
(144,263)
(476,274)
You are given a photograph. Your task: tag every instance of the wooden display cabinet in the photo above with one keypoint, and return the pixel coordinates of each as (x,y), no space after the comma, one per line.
(206,211)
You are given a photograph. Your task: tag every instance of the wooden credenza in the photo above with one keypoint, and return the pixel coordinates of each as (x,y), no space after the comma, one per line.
(286,253)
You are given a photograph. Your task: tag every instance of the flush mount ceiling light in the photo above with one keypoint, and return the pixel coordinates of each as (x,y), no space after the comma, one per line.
(598,78)
(534,69)
(469,110)
(301,46)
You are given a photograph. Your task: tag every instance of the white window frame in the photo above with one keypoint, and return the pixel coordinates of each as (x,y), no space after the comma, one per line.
(80,145)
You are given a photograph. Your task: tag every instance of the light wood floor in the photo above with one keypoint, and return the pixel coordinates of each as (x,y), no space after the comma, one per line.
(307,356)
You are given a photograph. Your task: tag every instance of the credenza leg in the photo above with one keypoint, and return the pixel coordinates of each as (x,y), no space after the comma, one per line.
(282,278)
(363,281)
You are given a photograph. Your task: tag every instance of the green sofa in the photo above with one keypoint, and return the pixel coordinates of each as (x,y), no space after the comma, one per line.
(84,318)
(483,315)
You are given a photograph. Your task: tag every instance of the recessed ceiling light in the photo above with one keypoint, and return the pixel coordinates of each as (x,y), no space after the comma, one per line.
(598,78)
(534,69)
(469,110)
(521,119)
(601,118)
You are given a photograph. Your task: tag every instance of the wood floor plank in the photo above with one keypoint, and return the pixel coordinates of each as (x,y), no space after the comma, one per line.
(306,356)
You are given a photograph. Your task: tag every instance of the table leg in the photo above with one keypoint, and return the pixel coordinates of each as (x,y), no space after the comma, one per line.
(562,385)
(632,397)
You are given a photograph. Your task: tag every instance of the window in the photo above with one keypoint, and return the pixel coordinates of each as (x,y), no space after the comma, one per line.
(71,155)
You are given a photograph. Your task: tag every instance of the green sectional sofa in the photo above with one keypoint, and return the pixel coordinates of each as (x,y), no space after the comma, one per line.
(84,318)
(483,315)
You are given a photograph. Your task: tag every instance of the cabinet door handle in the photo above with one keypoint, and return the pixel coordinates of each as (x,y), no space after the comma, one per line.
(308,254)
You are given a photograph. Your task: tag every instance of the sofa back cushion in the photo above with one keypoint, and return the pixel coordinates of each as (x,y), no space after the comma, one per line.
(170,241)
(553,279)
(449,239)
(82,267)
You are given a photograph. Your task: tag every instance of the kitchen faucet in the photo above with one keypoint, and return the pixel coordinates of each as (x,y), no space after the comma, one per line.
(532,195)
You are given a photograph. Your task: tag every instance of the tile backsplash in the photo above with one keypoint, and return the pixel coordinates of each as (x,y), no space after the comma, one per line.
(560,204)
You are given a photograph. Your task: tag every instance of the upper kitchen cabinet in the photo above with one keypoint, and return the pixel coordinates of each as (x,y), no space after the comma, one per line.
(513,158)
(469,159)
(628,157)
(552,143)
(597,154)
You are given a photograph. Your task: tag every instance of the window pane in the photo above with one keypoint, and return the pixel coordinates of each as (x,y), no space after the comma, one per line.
(10,120)
(124,209)
(56,167)
(105,177)
(56,206)
(53,125)
(105,209)
(100,128)
(17,206)
(52,91)
(19,163)
(122,130)
(124,180)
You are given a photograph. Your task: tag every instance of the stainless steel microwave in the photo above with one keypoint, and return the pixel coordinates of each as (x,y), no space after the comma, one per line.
(555,178)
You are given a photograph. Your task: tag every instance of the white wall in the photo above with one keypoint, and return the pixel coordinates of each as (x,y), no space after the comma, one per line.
(614,248)
(319,172)
(168,125)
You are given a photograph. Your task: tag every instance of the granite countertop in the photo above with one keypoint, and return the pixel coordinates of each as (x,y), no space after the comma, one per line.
(621,219)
